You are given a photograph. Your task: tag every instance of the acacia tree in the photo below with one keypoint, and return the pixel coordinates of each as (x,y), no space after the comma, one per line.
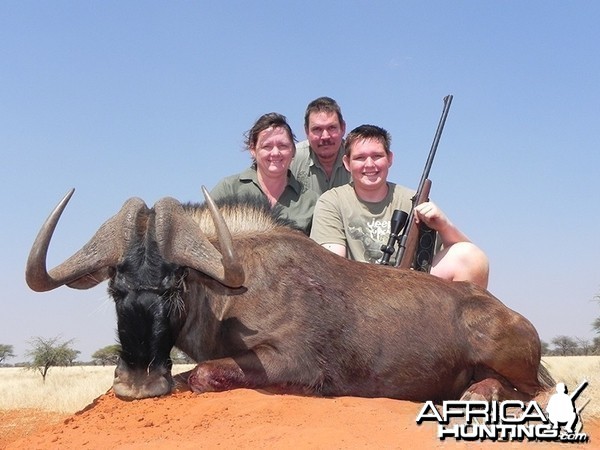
(565,345)
(107,355)
(47,353)
(6,351)
(596,346)
(585,346)
(596,325)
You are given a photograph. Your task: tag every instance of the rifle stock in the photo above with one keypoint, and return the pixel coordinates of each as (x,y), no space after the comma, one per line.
(408,243)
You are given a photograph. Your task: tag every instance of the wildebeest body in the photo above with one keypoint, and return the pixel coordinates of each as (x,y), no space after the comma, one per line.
(422,343)
(303,319)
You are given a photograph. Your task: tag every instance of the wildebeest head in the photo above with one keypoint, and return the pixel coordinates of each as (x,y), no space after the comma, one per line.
(146,290)
(145,253)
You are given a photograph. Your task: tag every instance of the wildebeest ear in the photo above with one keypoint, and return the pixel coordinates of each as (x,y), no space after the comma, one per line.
(182,242)
(91,279)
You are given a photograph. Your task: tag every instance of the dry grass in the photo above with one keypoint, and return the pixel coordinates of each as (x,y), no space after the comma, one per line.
(66,390)
(70,389)
(572,370)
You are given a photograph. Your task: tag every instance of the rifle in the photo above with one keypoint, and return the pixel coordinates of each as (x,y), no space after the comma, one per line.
(408,241)
(577,391)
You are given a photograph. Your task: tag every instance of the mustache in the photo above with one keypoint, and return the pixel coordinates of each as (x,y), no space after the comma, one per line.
(325,142)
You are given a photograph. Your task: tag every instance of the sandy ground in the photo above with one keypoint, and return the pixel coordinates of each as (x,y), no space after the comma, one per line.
(240,419)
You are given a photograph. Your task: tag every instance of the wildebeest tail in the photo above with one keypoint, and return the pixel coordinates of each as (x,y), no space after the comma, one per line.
(544,378)
(547,386)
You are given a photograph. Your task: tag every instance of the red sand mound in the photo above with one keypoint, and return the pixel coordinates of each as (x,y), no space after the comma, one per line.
(246,419)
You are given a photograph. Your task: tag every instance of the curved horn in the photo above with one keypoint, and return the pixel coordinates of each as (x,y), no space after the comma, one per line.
(182,242)
(90,265)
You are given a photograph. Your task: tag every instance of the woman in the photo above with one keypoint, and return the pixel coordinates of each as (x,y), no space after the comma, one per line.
(271,143)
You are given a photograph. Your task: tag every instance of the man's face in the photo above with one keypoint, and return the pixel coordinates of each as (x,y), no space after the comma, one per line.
(368,163)
(325,134)
(273,152)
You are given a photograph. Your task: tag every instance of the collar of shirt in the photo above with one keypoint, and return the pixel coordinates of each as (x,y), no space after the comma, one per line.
(250,175)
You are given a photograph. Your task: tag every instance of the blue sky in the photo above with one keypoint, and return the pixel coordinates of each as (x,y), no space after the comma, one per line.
(151,99)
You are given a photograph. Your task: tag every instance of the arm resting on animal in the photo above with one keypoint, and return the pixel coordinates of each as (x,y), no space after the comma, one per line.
(460,259)
(338,249)
(328,228)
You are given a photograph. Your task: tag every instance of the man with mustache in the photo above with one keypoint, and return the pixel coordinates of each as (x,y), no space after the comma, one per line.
(318,162)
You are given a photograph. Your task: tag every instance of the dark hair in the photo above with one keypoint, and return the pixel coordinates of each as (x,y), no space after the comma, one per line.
(269,120)
(363,132)
(323,104)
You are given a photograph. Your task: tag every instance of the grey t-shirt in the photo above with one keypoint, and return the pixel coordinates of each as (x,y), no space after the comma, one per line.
(362,227)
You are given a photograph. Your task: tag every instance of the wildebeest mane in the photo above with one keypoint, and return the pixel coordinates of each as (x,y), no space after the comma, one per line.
(243,214)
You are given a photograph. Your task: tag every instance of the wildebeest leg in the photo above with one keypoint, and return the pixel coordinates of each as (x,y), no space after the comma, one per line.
(493,387)
(258,368)
(510,357)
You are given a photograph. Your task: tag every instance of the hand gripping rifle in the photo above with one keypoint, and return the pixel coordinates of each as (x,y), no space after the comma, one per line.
(407,255)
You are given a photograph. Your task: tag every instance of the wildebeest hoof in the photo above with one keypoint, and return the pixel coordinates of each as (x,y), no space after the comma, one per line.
(180,382)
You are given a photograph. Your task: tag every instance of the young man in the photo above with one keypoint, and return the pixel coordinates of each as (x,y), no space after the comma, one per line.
(318,162)
(354,220)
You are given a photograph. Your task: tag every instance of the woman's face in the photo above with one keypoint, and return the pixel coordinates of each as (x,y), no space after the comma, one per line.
(273,152)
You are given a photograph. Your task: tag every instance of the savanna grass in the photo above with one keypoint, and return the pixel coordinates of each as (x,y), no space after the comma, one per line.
(70,389)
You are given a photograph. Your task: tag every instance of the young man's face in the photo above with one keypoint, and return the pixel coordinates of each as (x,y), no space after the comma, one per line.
(368,163)
(325,134)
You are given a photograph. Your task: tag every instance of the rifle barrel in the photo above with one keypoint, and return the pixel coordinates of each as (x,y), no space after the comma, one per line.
(424,184)
(436,140)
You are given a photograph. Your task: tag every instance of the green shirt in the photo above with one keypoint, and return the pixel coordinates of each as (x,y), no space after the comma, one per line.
(308,170)
(294,204)
(362,227)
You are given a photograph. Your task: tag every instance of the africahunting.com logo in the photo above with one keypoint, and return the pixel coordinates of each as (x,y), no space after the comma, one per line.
(510,420)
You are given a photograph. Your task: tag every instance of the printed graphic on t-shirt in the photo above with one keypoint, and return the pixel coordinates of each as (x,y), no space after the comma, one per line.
(372,235)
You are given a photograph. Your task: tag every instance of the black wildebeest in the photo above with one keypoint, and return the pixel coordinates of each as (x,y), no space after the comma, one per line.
(260,305)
